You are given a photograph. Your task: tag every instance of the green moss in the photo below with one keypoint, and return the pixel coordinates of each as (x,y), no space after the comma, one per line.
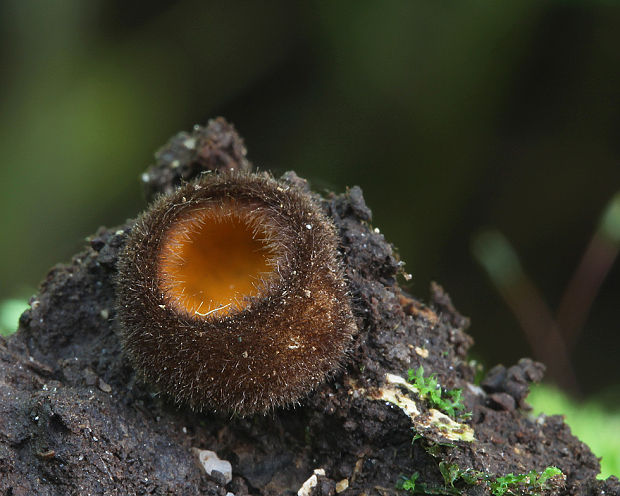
(412,486)
(435,420)
(530,484)
(527,484)
(408,483)
(450,402)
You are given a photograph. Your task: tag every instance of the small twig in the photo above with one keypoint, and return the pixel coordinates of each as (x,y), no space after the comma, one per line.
(595,264)
(552,339)
(541,331)
(501,262)
(211,311)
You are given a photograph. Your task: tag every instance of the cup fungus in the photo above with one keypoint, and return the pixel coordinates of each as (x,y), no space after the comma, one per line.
(231,294)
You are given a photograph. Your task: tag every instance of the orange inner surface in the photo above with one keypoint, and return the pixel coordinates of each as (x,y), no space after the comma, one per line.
(210,260)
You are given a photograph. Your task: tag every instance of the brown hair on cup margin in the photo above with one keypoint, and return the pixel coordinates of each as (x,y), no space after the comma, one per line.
(231,294)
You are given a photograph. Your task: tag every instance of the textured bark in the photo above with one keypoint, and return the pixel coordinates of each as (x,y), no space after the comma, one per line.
(75,418)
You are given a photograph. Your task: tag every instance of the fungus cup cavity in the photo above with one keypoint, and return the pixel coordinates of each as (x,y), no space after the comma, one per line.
(214,257)
(231,294)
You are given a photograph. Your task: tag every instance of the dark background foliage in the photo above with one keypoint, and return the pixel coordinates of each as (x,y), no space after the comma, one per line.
(452,116)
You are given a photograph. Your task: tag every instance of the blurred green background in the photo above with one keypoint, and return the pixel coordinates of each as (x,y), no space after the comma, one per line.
(452,117)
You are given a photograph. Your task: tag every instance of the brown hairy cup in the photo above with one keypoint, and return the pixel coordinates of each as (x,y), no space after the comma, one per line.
(231,294)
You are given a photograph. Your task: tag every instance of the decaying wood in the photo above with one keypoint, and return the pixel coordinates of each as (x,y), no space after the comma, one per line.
(75,419)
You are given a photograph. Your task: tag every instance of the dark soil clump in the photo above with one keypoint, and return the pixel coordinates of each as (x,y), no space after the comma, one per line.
(76,420)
